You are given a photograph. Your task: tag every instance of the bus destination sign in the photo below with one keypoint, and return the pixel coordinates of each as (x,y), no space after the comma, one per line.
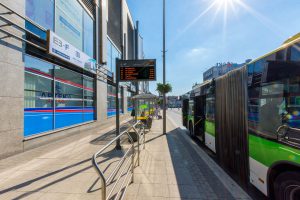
(137,70)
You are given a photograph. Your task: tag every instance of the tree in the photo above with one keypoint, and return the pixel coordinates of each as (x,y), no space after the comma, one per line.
(163,89)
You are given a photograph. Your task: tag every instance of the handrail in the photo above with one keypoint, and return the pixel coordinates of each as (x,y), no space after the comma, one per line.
(18,27)
(23,17)
(21,39)
(128,166)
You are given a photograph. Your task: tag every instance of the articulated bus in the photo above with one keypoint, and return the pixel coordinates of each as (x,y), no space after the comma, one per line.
(250,119)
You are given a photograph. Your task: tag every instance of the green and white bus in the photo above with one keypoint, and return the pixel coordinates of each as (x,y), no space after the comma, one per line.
(250,118)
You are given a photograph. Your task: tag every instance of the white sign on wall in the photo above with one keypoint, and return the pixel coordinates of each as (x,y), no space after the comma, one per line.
(58,47)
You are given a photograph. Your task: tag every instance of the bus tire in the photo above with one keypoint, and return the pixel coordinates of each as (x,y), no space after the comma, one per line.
(287,186)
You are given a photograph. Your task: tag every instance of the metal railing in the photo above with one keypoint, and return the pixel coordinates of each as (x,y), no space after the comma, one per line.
(101,71)
(139,130)
(9,22)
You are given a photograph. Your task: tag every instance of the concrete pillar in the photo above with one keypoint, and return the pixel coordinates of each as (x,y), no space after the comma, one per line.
(101,101)
(101,33)
(12,84)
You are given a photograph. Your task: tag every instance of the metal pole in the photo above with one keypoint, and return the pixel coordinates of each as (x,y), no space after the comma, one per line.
(164,67)
(118,142)
(137,52)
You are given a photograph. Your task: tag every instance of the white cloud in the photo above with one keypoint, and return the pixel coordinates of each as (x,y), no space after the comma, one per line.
(196,52)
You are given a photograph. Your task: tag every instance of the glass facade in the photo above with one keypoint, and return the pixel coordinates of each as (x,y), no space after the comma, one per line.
(111,100)
(41,12)
(129,101)
(69,21)
(55,97)
(88,36)
(67,18)
(112,54)
(38,97)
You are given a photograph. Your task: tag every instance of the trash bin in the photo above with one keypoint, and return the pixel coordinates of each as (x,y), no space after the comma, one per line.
(134,136)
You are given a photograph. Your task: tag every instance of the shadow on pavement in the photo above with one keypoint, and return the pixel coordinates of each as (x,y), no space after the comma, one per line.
(187,164)
(106,157)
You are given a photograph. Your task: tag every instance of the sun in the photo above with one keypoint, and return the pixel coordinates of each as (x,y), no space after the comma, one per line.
(227,2)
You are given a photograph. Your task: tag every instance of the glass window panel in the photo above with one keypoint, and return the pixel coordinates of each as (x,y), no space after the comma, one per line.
(129,101)
(38,96)
(111,106)
(68,76)
(111,100)
(69,21)
(295,52)
(41,12)
(259,66)
(278,104)
(109,59)
(38,66)
(88,24)
(280,55)
(250,69)
(210,108)
(38,83)
(74,97)
(121,97)
(89,107)
(68,97)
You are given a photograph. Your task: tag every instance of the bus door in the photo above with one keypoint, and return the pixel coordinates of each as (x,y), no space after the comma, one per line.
(199,117)
(185,111)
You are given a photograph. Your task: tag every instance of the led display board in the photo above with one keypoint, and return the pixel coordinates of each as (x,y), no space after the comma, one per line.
(137,70)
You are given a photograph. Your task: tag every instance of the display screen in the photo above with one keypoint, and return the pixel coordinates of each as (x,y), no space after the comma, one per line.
(137,70)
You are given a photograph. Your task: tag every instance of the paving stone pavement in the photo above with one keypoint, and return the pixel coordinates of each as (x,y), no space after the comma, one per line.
(173,167)
(59,170)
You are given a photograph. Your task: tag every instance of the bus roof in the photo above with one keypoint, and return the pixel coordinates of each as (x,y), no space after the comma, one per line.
(290,41)
(202,84)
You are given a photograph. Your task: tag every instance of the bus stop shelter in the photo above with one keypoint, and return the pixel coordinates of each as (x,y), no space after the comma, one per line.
(144,106)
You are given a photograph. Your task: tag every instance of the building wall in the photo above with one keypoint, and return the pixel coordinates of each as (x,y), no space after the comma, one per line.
(220,69)
(12,80)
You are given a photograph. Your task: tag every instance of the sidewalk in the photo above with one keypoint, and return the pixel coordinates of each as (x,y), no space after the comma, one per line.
(60,170)
(174,167)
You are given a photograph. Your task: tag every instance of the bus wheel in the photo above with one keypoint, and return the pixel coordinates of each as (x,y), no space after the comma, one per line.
(287,186)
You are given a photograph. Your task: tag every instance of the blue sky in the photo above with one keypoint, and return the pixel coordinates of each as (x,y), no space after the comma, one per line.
(196,41)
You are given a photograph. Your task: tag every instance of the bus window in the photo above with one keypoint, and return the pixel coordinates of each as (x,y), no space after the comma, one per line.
(280,55)
(250,69)
(210,109)
(259,66)
(271,107)
(191,108)
(292,116)
(277,105)
(295,52)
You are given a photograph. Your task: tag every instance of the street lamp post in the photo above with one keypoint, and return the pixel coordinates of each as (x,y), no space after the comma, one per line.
(164,68)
